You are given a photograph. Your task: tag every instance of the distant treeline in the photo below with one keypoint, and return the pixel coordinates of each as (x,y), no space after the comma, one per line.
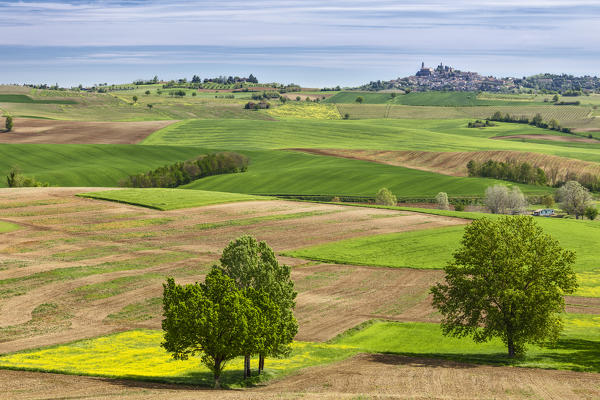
(509,171)
(181,173)
(537,120)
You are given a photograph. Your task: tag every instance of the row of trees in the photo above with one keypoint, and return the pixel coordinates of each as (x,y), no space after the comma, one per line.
(537,120)
(243,308)
(181,173)
(510,170)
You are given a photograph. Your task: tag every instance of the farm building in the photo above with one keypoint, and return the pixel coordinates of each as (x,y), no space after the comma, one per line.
(544,212)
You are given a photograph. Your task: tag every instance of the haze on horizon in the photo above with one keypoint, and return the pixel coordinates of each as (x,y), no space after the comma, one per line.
(309,42)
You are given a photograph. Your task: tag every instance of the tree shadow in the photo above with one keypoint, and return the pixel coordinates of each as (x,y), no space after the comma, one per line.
(568,354)
(192,380)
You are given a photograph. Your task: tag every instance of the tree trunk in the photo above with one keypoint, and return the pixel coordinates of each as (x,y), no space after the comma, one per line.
(511,347)
(261,363)
(247,371)
(217,383)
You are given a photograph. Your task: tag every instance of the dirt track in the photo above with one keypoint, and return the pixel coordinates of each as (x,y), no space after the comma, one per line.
(361,377)
(30,130)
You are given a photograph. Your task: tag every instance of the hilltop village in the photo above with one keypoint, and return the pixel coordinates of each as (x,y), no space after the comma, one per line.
(446,78)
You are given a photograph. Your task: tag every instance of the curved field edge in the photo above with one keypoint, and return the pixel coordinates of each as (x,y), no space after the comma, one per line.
(169,199)
(8,227)
(116,355)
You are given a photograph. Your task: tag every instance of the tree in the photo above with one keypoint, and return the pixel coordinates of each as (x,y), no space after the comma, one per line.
(548,201)
(253,265)
(496,199)
(359,99)
(9,123)
(507,280)
(211,319)
(442,201)
(573,198)
(147,93)
(298,98)
(135,99)
(591,213)
(149,106)
(555,98)
(516,202)
(385,197)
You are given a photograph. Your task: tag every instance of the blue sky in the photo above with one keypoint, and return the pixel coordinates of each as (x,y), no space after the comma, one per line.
(313,43)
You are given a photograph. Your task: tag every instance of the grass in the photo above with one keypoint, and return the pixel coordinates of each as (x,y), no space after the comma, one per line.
(87,165)
(8,227)
(295,173)
(426,249)
(114,287)
(304,111)
(138,355)
(578,348)
(169,199)
(432,248)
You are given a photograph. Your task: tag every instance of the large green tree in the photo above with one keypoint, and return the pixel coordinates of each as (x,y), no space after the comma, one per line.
(508,280)
(252,264)
(214,320)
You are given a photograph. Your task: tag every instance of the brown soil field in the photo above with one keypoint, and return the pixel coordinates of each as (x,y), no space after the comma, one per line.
(365,376)
(553,138)
(65,234)
(454,163)
(31,130)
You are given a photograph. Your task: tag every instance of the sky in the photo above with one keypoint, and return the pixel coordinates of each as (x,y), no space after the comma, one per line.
(308,42)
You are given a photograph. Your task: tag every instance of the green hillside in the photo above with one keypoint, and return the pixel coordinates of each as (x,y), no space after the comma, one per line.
(87,164)
(375,134)
(287,172)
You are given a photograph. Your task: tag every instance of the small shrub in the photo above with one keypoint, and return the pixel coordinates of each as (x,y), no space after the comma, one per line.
(335,199)
(385,198)
(459,207)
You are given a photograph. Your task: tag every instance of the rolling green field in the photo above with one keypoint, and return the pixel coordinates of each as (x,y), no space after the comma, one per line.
(7,227)
(87,164)
(376,134)
(169,199)
(433,248)
(293,173)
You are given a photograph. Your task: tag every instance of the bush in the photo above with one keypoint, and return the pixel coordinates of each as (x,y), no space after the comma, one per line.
(591,213)
(459,207)
(9,123)
(385,197)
